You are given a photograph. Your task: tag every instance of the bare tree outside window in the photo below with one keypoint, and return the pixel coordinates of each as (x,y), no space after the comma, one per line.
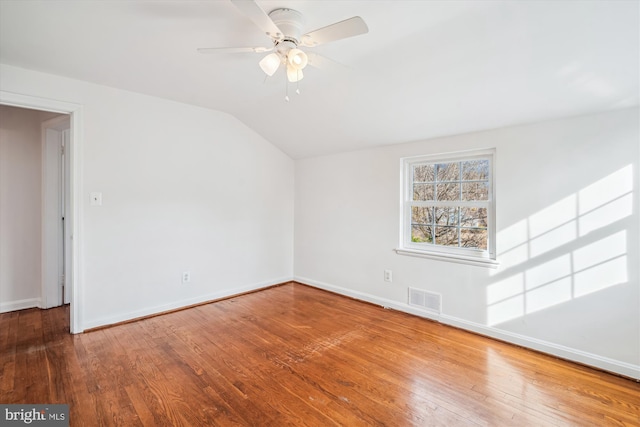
(446,214)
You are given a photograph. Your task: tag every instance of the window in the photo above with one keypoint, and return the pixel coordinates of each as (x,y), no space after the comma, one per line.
(449,208)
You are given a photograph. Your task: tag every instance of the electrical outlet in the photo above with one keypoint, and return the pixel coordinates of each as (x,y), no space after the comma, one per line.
(186,277)
(388,276)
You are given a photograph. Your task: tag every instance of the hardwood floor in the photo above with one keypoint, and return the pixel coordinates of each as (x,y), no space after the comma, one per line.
(294,355)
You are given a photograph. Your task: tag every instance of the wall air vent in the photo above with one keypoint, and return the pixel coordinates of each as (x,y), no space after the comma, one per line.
(428,301)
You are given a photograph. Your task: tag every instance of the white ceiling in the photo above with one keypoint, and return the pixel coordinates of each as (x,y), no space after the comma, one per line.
(425,69)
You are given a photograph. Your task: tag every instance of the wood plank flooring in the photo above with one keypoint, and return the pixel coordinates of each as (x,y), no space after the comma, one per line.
(297,356)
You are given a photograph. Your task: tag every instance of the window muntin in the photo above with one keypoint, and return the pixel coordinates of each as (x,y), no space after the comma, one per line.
(448,205)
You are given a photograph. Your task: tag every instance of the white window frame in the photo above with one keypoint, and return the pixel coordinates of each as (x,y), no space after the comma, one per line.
(471,256)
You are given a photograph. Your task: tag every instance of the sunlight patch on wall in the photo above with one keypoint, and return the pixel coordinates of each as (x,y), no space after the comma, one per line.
(602,276)
(548,272)
(513,236)
(605,201)
(601,264)
(602,203)
(553,239)
(613,211)
(506,288)
(600,251)
(533,290)
(509,309)
(548,295)
(554,216)
(548,284)
(588,269)
(584,270)
(608,188)
(513,245)
(506,299)
(514,257)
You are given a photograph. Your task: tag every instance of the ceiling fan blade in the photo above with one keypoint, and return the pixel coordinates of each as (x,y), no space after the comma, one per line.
(340,30)
(234,49)
(251,9)
(322,62)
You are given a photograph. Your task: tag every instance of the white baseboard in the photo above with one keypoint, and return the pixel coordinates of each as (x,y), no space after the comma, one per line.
(579,356)
(20,304)
(148,311)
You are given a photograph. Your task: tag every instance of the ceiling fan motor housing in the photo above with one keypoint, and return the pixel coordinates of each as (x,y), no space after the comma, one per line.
(290,22)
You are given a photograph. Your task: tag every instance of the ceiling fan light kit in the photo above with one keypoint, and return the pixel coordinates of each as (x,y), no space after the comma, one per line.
(284,27)
(297,59)
(294,75)
(294,59)
(270,63)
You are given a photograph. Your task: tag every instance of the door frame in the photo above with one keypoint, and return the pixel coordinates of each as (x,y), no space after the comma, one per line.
(75,213)
(56,237)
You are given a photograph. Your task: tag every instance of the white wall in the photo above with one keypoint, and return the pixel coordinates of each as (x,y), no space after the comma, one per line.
(20,208)
(184,189)
(567,221)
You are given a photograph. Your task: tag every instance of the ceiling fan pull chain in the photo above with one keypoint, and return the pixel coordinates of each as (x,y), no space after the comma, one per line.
(286,90)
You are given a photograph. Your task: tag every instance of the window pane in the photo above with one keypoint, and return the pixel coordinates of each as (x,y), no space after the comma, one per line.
(447,236)
(421,233)
(446,216)
(448,171)
(473,217)
(421,215)
(475,191)
(423,192)
(475,170)
(450,203)
(473,238)
(423,173)
(450,191)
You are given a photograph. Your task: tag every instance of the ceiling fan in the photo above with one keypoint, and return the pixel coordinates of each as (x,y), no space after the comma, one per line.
(284,27)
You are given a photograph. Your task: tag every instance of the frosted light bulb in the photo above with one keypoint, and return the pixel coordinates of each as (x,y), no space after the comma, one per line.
(297,59)
(270,64)
(294,75)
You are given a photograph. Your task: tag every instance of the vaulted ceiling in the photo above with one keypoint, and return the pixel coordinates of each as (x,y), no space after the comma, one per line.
(425,69)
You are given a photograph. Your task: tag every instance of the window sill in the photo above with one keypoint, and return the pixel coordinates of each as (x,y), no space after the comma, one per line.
(477,261)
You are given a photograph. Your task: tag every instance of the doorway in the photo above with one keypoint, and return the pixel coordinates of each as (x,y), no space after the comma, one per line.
(71,264)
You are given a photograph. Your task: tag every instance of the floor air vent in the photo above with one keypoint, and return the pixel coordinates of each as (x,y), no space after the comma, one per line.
(429,301)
